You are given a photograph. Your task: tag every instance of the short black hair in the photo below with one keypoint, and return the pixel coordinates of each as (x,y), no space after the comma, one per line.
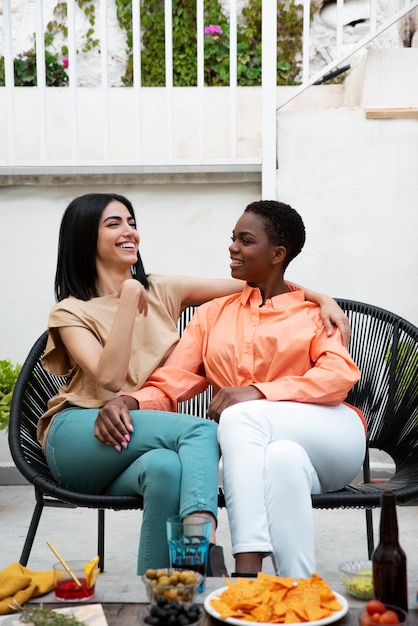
(77,245)
(283,226)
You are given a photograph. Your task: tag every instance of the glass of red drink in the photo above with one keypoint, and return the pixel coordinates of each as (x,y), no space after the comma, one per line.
(188,543)
(72,587)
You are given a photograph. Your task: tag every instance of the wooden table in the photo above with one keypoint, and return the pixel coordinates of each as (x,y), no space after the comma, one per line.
(130,615)
(124,601)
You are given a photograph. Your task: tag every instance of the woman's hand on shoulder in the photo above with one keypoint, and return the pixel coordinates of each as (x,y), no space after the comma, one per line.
(332,315)
(113,425)
(132,288)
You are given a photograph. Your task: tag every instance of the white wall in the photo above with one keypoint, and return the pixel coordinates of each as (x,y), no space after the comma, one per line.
(356,184)
(351,182)
(185,229)
(353,179)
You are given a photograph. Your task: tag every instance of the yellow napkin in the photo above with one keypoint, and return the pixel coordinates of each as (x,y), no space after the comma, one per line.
(18,583)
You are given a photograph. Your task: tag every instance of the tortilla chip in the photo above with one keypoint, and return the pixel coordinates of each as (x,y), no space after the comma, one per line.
(224,609)
(277,600)
(262,613)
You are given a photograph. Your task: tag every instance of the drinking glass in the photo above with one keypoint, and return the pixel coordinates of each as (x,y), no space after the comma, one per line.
(188,543)
(66,588)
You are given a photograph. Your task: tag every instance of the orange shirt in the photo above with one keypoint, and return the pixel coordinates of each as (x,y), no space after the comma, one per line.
(280,347)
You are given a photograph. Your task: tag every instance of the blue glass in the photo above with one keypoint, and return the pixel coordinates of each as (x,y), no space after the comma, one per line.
(188,543)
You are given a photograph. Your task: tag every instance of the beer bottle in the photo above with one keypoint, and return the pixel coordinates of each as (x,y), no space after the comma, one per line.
(389,560)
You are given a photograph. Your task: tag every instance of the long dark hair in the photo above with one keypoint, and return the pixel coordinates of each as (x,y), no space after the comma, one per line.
(76,267)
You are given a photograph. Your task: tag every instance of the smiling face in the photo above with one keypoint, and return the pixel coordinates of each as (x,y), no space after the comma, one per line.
(253,258)
(117,237)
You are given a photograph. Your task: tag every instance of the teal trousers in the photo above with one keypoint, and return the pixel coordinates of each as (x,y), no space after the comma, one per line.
(171,460)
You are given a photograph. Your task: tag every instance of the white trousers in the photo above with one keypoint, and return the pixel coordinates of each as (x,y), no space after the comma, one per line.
(275,455)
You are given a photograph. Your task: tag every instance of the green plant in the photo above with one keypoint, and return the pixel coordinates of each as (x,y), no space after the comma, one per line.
(38,616)
(216,45)
(289,43)
(24,64)
(25,70)
(249,47)
(58,25)
(8,377)
(153,42)
(124,15)
(88,8)
(405,368)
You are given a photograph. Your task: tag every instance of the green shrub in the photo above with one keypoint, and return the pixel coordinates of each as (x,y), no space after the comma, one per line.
(184,24)
(216,43)
(8,377)
(25,70)
(405,369)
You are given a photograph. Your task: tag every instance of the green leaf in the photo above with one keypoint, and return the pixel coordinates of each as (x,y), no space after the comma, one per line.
(8,377)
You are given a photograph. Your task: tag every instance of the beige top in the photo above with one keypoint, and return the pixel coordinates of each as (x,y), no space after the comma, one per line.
(153,339)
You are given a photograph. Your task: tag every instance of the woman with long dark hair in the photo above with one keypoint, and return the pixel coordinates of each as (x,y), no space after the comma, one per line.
(112,326)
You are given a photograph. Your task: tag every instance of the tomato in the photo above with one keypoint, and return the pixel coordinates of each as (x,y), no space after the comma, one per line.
(389,617)
(375,606)
(365,620)
(370,620)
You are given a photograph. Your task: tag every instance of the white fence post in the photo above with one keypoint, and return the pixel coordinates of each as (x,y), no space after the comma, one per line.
(268,108)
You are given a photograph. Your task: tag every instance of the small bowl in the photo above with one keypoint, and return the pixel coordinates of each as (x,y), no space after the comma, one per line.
(182,591)
(164,612)
(364,619)
(358,578)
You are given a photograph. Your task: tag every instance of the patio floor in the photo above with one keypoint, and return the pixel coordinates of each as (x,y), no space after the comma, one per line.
(340,536)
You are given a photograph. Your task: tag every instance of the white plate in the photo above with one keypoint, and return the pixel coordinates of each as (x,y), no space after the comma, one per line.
(239,622)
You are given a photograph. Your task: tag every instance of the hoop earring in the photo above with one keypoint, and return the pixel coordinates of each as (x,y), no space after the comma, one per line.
(133,270)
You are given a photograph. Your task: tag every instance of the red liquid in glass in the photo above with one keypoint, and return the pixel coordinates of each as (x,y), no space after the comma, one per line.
(67,589)
(189,562)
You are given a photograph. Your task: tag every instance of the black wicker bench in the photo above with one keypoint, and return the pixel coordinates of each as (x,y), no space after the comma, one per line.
(385,348)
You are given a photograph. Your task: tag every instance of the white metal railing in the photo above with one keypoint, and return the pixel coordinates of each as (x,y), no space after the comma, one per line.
(93,110)
(340,55)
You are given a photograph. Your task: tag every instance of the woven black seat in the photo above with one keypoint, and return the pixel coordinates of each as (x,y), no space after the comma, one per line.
(384,346)
(33,389)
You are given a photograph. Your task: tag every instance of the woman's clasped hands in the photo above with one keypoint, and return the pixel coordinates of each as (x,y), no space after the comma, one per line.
(113,425)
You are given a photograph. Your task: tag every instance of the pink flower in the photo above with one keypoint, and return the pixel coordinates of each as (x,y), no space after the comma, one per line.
(213,30)
(65,62)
